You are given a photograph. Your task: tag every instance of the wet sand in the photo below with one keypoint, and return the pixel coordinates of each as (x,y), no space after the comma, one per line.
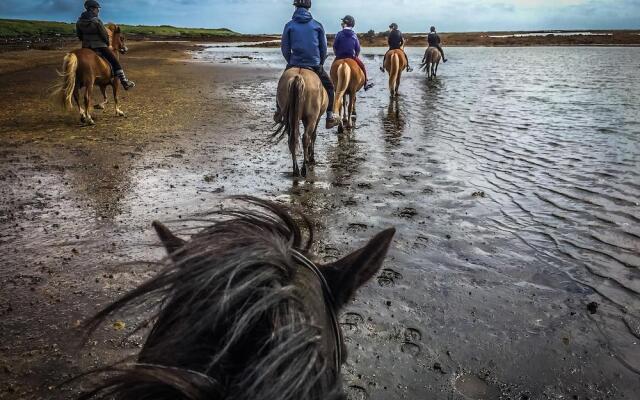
(463,309)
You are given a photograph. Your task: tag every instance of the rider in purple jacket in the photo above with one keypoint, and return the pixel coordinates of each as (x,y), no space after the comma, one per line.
(347,45)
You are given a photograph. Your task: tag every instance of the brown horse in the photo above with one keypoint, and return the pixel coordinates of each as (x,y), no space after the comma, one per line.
(348,79)
(430,62)
(83,68)
(394,64)
(301,97)
(240,311)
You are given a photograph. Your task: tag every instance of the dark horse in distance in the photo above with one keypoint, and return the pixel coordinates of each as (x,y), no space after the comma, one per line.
(241,312)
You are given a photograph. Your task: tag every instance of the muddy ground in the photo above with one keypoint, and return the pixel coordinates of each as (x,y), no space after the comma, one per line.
(461,311)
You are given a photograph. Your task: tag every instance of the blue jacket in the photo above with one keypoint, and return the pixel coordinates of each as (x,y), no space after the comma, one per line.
(304,43)
(346,44)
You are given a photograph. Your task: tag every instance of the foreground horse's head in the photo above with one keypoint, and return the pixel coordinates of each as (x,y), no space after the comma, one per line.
(240,312)
(116,38)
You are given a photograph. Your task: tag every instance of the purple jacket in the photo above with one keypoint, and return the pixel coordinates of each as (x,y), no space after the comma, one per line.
(346,44)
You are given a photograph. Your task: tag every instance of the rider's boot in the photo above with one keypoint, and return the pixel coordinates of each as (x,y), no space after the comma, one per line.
(368,85)
(126,84)
(409,69)
(332,121)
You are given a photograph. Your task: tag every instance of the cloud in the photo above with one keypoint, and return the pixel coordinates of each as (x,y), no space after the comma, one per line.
(413,15)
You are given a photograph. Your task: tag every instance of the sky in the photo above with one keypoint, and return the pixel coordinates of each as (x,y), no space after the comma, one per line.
(269,16)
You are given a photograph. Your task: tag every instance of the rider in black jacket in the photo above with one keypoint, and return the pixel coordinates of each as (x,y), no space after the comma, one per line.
(395,41)
(434,41)
(94,36)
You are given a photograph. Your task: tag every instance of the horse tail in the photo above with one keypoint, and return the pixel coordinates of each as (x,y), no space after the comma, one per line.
(67,85)
(294,112)
(426,61)
(344,78)
(394,70)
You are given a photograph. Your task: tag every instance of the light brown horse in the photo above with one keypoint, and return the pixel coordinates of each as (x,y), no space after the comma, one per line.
(84,68)
(348,79)
(430,62)
(395,63)
(301,98)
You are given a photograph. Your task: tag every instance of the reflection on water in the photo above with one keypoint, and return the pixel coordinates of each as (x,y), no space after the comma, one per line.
(393,123)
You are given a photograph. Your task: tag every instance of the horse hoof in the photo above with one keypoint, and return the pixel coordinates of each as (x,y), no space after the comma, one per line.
(83,119)
(304,171)
(98,107)
(341,129)
(120,114)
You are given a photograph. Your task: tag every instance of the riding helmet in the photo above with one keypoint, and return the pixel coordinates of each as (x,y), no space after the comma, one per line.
(433,29)
(91,4)
(393,26)
(349,21)
(302,3)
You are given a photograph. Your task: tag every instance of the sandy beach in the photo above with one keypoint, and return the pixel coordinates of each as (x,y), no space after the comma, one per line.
(475,302)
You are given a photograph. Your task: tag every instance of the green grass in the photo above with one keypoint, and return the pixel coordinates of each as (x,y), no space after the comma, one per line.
(22,28)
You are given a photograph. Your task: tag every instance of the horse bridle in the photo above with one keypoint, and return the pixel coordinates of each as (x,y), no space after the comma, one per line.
(330,303)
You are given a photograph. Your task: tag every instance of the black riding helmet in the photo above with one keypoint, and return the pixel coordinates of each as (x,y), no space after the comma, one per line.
(349,21)
(91,4)
(302,3)
(393,26)
(433,29)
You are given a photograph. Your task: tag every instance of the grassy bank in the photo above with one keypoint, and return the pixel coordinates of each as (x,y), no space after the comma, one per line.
(10,28)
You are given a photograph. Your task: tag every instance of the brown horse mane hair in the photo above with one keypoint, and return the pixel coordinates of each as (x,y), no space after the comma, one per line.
(228,320)
(113,27)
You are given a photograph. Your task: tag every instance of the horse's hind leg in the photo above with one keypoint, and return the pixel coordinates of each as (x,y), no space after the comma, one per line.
(312,150)
(352,107)
(307,141)
(292,149)
(87,102)
(76,97)
(114,86)
(101,106)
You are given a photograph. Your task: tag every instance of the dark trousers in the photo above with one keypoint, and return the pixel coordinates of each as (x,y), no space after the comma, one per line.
(108,55)
(326,82)
(440,49)
(403,52)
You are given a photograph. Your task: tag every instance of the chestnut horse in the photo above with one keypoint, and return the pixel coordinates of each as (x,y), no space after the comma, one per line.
(301,97)
(84,68)
(348,79)
(394,64)
(430,62)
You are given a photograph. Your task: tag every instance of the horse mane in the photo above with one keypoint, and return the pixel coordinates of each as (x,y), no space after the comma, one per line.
(113,27)
(228,320)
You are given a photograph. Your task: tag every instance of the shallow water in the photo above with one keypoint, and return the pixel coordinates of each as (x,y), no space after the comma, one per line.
(517,170)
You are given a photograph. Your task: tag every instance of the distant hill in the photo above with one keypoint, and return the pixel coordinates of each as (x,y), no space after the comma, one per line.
(12,28)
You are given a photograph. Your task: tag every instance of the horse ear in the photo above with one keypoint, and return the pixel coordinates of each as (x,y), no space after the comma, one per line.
(347,275)
(171,242)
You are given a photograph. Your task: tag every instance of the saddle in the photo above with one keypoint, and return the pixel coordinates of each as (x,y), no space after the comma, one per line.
(100,55)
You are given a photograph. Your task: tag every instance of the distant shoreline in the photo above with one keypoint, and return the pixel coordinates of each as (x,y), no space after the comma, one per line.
(43,35)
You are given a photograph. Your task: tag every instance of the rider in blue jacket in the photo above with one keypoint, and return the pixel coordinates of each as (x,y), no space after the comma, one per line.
(304,45)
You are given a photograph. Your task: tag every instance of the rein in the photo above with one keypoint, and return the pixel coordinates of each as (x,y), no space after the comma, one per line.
(330,303)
